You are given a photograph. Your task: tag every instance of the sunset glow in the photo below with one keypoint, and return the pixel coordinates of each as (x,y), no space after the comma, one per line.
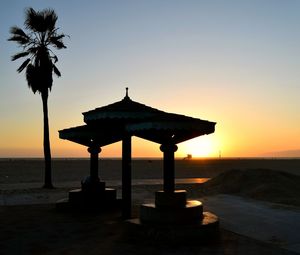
(199,147)
(235,63)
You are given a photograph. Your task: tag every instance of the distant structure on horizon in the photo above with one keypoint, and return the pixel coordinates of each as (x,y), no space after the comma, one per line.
(188,157)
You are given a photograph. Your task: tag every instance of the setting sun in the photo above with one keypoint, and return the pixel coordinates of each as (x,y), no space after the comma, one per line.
(199,147)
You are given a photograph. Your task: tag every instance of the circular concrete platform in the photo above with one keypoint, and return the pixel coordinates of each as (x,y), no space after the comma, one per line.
(206,230)
(192,212)
(83,200)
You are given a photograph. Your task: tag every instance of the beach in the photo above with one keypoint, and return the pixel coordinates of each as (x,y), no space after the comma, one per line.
(14,171)
(22,179)
(31,225)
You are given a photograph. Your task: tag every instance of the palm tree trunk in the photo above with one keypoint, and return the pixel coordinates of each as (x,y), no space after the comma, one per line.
(47,151)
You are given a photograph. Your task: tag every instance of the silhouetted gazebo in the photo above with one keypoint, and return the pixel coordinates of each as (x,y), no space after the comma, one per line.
(126,118)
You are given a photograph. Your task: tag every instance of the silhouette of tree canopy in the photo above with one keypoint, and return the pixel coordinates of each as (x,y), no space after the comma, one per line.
(38,41)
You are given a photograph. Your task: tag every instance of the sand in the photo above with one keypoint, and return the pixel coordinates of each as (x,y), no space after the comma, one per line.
(261,184)
(73,170)
(21,179)
(39,229)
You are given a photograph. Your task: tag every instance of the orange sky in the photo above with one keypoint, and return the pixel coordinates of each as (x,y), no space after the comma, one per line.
(234,63)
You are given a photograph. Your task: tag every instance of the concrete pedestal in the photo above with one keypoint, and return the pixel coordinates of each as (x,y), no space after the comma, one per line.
(79,196)
(95,196)
(173,218)
(176,199)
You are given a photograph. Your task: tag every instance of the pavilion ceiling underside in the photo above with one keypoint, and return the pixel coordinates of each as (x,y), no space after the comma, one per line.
(158,132)
(167,137)
(171,131)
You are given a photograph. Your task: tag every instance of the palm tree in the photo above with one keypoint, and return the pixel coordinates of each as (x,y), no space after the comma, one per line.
(37,45)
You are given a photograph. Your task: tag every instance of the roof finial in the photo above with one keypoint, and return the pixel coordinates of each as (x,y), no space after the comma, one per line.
(126,96)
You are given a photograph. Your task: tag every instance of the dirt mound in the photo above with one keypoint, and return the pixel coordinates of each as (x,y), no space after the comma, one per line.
(262,184)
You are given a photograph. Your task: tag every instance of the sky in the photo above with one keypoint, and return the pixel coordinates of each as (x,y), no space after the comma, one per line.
(234,62)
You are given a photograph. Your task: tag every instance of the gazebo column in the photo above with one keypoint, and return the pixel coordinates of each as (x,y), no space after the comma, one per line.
(169,166)
(126,177)
(94,154)
(92,190)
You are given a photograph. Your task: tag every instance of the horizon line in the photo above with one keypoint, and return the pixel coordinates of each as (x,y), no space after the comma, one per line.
(152,158)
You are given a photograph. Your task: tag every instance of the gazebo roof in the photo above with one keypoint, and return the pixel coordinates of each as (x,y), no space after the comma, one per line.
(88,135)
(108,124)
(126,109)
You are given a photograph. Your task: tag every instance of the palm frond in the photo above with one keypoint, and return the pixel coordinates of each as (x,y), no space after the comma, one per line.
(19,39)
(30,19)
(40,21)
(58,37)
(31,77)
(34,20)
(55,58)
(56,71)
(50,18)
(25,63)
(33,50)
(57,41)
(20,55)
(17,31)
(36,45)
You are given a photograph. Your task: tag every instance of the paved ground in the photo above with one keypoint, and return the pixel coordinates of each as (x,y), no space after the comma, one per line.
(274,224)
(258,220)
(40,229)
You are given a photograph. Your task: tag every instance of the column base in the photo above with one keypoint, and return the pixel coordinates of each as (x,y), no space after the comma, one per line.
(176,199)
(100,198)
